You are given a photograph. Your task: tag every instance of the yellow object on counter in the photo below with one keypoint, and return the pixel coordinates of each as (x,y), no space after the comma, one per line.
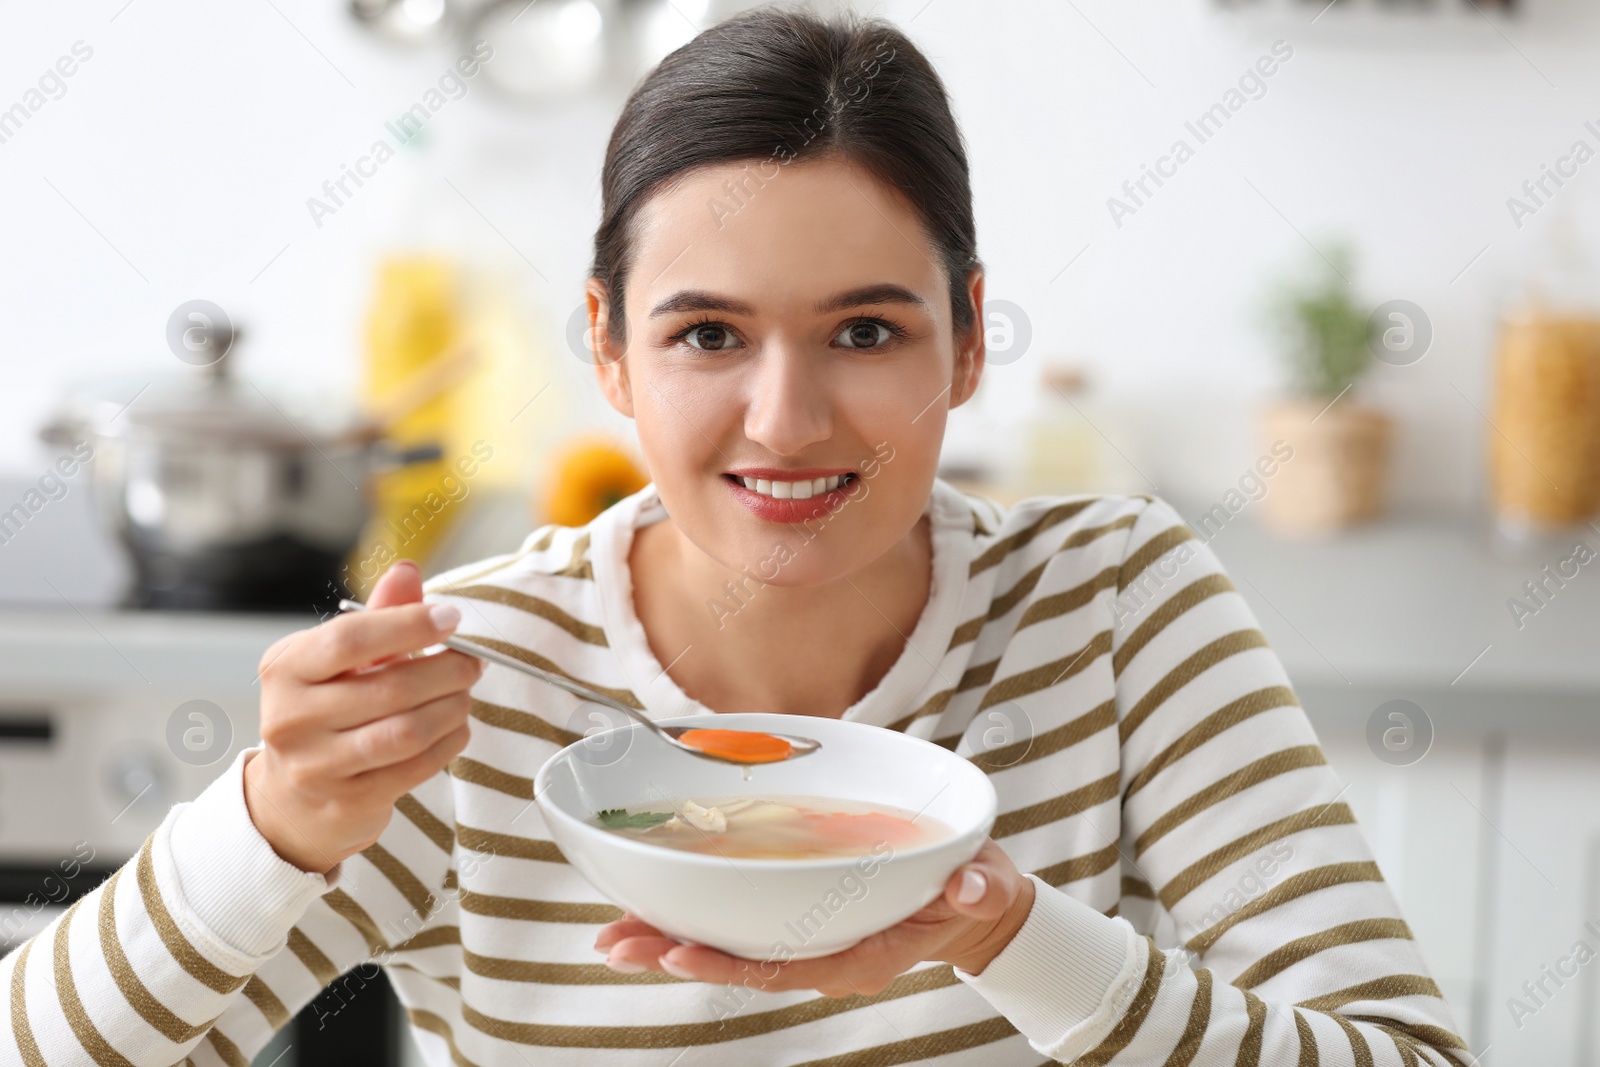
(588,475)
(414,320)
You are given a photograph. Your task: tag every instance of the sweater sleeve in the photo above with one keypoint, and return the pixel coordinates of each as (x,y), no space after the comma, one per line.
(1293,949)
(179,956)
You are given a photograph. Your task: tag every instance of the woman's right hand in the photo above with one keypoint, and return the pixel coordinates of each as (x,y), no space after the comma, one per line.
(350,723)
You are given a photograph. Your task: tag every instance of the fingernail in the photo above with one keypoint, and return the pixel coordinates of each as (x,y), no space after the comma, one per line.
(407,563)
(677,970)
(973,885)
(622,966)
(445,616)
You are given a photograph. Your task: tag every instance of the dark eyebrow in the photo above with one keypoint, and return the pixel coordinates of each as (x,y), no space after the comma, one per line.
(700,300)
(871,294)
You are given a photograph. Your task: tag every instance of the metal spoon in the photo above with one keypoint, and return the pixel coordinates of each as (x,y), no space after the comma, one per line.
(802,746)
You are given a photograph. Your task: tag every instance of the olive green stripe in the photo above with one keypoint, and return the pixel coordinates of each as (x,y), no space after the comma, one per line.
(1251,774)
(1159,545)
(1250,1046)
(431,938)
(1002,548)
(1199,1017)
(1436,1039)
(466,769)
(187,956)
(1224,718)
(1293,889)
(1058,604)
(400,876)
(261,995)
(1359,1050)
(1195,592)
(1137,887)
(227,1050)
(20,1027)
(533,605)
(505,970)
(315,960)
(731,1028)
(83,1028)
(578,566)
(1303,948)
(1101,717)
(434,1024)
(1079,867)
(164,1021)
(1201,871)
(922,1047)
(524,909)
(354,914)
(522,722)
(1056,808)
(436,829)
(1387,988)
(1035,679)
(550,666)
(497,844)
(1309,1055)
(1127,1027)
(1192,667)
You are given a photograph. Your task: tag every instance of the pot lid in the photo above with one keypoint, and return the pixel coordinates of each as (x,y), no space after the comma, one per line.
(204,404)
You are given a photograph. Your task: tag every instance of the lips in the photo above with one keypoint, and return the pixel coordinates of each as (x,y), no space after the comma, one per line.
(766,503)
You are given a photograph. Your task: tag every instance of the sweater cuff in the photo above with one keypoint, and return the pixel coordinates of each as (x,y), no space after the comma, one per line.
(232,880)
(1067,976)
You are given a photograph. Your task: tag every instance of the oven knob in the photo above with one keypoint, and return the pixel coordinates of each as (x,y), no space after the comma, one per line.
(135,776)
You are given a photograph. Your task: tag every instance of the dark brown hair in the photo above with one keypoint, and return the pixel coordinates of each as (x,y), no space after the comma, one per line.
(779,85)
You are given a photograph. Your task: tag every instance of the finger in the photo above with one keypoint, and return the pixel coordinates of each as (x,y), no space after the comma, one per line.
(361,638)
(642,951)
(400,778)
(400,584)
(705,964)
(612,932)
(980,888)
(397,738)
(394,688)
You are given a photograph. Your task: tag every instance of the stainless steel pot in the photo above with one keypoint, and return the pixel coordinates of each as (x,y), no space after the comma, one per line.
(223,501)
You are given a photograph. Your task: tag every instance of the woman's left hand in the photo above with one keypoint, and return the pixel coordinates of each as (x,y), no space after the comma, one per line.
(983,905)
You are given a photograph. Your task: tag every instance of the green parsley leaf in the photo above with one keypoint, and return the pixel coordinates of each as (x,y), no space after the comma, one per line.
(619,819)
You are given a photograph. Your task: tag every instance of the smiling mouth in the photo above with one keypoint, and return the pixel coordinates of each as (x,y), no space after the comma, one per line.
(794,490)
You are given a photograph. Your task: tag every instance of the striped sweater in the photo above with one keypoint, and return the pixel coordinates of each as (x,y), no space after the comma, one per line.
(1203,895)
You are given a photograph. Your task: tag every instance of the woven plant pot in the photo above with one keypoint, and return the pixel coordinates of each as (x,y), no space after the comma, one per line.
(1338,476)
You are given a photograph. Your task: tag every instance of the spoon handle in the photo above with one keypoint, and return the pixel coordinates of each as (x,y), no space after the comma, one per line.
(472,648)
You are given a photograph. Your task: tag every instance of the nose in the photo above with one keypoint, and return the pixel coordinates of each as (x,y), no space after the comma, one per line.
(789,407)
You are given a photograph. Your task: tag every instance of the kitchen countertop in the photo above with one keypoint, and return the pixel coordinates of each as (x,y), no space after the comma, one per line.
(1413,607)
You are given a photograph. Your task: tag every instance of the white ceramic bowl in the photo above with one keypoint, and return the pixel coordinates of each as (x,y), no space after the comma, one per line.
(765,909)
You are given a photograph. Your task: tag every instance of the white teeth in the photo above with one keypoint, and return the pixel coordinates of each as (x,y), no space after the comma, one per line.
(793,490)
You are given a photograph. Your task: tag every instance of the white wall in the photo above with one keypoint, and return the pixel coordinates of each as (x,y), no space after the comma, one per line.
(194,135)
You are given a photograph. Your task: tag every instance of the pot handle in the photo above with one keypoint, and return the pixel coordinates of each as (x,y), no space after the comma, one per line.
(60,432)
(389,456)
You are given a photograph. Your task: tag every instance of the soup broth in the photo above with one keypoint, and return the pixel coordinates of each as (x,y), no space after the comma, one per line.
(777,827)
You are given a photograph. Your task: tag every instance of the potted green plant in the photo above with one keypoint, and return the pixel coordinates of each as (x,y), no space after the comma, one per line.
(1338,471)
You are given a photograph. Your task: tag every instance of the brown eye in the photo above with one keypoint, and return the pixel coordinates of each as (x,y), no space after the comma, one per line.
(863,335)
(711,337)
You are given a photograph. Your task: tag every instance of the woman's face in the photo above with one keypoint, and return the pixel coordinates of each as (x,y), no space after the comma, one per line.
(788,323)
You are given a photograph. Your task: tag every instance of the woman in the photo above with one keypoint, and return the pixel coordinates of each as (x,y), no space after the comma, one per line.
(785,289)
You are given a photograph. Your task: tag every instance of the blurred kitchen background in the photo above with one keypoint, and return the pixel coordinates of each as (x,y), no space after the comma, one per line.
(293,288)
